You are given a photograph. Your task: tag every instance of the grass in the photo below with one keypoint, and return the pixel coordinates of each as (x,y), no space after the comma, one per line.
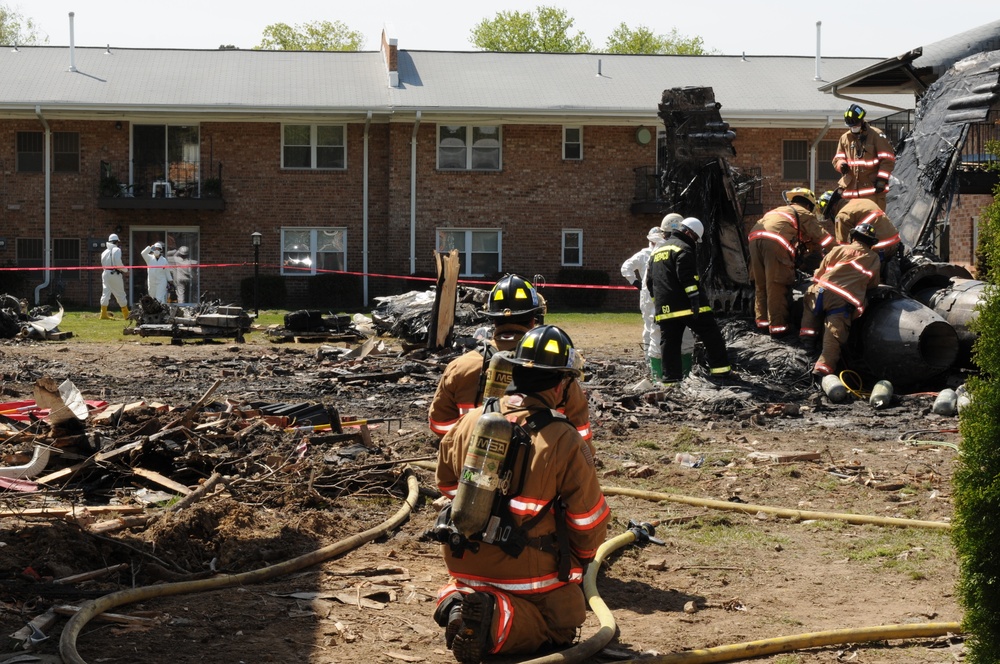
(899,549)
(87,326)
(721,534)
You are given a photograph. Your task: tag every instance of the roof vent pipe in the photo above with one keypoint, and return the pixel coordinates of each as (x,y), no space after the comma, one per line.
(819,30)
(599,68)
(72,45)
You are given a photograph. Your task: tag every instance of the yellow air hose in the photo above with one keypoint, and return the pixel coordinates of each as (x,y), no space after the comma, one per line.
(67,641)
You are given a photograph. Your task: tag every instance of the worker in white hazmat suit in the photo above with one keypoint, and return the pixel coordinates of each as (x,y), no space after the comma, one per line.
(634,271)
(158,277)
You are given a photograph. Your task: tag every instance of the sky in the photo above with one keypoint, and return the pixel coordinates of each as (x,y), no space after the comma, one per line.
(731,27)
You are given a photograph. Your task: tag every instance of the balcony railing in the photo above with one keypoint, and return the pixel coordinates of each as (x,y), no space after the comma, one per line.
(182,186)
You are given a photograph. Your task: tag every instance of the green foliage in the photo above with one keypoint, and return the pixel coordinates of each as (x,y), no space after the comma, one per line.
(271,293)
(579,298)
(642,40)
(976,489)
(311,36)
(543,30)
(15,29)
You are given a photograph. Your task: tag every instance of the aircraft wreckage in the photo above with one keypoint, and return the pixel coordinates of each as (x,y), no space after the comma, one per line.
(912,332)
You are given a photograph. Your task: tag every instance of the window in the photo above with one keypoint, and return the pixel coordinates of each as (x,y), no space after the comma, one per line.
(572,143)
(456,152)
(313,146)
(29,152)
(29,251)
(572,247)
(478,250)
(795,161)
(165,153)
(66,253)
(65,152)
(308,251)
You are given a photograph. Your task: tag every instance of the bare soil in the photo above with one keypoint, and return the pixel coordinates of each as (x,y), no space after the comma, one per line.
(719,577)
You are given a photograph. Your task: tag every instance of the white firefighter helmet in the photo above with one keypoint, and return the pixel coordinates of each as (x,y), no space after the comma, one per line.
(695,226)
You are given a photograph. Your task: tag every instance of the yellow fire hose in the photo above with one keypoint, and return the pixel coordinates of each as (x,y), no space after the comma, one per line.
(749,649)
(777,511)
(67,641)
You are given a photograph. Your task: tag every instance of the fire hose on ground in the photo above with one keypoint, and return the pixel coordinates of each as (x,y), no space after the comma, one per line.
(67,641)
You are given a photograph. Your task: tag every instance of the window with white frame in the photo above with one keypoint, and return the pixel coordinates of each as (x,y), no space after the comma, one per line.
(478,249)
(795,160)
(468,148)
(310,251)
(572,143)
(572,247)
(314,146)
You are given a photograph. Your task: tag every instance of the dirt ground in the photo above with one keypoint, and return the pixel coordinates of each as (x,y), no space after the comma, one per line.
(719,576)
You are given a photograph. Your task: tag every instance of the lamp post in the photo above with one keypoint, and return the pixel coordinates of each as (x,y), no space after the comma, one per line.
(255,239)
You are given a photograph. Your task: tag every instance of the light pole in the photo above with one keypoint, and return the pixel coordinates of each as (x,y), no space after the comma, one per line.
(255,239)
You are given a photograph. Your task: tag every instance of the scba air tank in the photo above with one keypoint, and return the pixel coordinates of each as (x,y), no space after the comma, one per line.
(498,375)
(480,479)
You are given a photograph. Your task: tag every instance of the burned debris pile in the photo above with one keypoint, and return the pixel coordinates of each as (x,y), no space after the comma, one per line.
(408,316)
(315,325)
(18,321)
(202,321)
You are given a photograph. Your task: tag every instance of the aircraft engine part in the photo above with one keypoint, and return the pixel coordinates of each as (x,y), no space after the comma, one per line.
(904,342)
(956,303)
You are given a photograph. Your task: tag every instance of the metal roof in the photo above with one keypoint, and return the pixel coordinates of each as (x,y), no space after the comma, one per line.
(779,90)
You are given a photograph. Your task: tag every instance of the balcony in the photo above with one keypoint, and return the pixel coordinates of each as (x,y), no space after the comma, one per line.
(182,188)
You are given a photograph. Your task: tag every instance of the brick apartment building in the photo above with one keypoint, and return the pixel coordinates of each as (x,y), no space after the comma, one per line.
(369,162)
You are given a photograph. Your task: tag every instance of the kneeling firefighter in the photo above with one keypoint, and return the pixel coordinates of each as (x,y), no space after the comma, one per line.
(527,512)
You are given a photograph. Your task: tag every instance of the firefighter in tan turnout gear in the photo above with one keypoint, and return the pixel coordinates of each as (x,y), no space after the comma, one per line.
(864,159)
(848,213)
(838,294)
(527,514)
(514,307)
(776,242)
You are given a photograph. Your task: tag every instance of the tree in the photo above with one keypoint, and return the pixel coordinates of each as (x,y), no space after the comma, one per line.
(542,30)
(311,36)
(642,40)
(16,29)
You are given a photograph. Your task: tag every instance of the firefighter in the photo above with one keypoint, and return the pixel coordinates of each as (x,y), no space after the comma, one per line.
(634,271)
(777,243)
(112,283)
(838,294)
(514,307)
(848,213)
(497,602)
(864,159)
(158,279)
(680,303)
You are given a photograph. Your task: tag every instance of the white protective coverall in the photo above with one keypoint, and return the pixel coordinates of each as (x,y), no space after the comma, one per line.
(157,277)
(636,265)
(111,277)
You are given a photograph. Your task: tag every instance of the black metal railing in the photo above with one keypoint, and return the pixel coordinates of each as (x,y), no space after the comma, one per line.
(974,153)
(181,179)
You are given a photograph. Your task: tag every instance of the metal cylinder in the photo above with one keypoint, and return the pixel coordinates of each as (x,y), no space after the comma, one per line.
(480,479)
(946,402)
(498,374)
(834,388)
(956,303)
(905,342)
(881,394)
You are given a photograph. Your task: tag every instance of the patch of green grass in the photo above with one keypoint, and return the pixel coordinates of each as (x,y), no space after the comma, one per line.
(647,444)
(899,549)
(567,319)
(87,326)
(788,659)
(686,439)
(721,533)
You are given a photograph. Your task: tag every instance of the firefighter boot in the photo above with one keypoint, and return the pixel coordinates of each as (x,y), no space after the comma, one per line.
(125,312)
(656,368)
(105,315)
(472,641)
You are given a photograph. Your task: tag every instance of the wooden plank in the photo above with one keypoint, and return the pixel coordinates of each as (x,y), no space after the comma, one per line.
(100,456)
(166,482)
(784,457)
(59,512)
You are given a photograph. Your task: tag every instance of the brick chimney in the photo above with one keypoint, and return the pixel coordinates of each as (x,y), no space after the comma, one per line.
(391,54)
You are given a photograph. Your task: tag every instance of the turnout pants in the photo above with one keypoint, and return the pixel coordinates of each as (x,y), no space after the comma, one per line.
(706,329)
(524,623)
(773,270)
(835,313)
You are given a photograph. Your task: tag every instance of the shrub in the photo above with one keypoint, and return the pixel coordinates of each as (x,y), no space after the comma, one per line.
(579,298)
(976,529)
(271,292)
